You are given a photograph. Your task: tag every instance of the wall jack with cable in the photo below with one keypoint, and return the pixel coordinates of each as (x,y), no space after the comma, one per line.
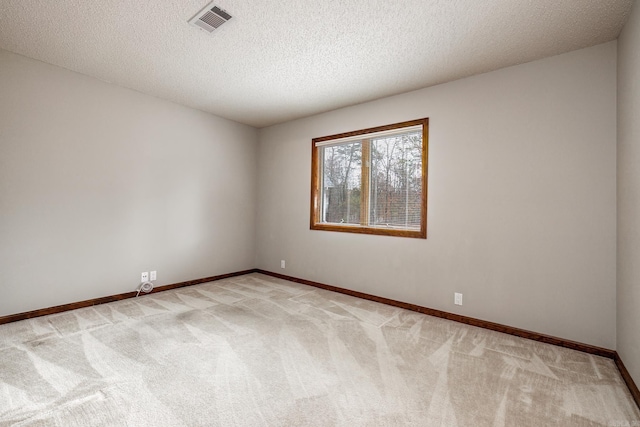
(146,282)
(145,287)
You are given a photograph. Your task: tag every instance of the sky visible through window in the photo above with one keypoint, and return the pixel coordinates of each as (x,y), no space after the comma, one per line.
(395,188)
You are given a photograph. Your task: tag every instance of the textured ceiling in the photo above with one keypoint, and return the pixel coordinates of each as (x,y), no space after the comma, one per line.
(280,60)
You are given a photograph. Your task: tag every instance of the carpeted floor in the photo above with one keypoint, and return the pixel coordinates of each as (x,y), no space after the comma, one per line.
(254,351)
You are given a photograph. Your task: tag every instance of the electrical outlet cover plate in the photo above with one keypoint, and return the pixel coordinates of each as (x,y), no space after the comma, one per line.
(144,277)
(282,264)
(154,275)
(457,298)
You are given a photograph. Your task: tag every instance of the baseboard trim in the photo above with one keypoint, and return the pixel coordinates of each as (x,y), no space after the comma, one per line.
(626,376)
(586,348)
(102,300)
(522,333)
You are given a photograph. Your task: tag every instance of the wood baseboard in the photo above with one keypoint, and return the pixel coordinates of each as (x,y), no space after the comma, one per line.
(586,348)
(633,388)
(102,300)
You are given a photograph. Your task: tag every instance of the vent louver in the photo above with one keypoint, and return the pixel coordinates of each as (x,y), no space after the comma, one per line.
(210,18)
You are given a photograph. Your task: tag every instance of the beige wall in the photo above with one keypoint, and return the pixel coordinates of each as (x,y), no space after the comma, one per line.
(99,183)
(629,194)
(522,199)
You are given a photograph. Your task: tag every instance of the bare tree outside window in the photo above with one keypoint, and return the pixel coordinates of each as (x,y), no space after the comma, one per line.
(342,171)
(372,181)
(396,181)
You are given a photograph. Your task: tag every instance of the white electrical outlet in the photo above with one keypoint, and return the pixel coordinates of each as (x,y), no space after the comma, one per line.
(144,277)
(154,275)
(457,298)
(281,263)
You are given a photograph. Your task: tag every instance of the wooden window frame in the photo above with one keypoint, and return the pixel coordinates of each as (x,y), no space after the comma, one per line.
(364,228)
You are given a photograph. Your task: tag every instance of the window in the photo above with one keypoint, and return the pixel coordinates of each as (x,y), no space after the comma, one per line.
(372,181)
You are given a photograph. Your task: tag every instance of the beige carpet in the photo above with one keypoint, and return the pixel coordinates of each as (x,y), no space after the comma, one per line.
(258,351)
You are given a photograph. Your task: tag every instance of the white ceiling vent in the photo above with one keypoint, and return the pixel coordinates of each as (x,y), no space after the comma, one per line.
(210,18)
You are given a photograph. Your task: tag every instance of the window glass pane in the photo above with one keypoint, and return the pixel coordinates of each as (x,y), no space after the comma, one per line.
(371,181)
(341,183)
(396,181)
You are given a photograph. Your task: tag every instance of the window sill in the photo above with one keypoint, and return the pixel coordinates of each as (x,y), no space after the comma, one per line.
(360,229)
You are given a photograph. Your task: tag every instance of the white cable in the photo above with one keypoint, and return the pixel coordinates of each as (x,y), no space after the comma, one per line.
(146,287)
